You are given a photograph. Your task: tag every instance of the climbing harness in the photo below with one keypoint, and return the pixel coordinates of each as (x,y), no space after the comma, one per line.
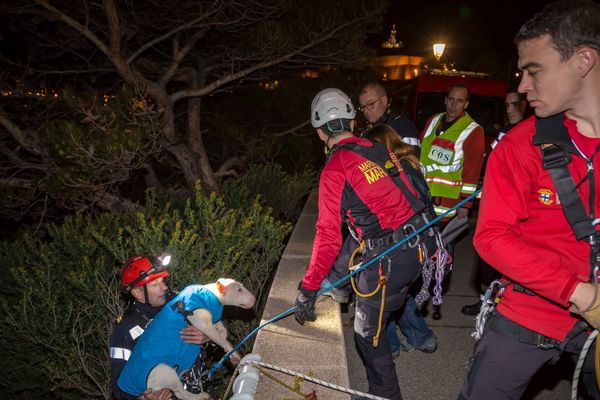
(382,281)
(500,324)
(433,267)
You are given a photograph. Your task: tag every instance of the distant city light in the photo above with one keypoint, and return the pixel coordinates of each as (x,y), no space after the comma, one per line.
(269,85)
(22,90)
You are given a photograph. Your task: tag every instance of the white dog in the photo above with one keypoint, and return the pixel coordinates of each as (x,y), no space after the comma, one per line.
(160,356)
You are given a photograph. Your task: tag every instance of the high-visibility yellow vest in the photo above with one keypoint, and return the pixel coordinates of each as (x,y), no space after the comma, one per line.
(442,156)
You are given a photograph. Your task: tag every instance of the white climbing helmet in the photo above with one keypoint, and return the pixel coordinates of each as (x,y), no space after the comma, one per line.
(330,104)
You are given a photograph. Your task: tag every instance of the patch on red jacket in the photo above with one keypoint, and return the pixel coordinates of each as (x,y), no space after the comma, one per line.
(545,196)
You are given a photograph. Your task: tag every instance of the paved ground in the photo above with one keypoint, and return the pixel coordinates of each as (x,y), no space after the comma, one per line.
(439,376)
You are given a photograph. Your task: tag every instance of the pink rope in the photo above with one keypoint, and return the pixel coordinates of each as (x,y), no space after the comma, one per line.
(433,268)
(441,259)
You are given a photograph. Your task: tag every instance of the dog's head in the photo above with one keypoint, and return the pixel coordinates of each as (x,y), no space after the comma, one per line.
(232,293)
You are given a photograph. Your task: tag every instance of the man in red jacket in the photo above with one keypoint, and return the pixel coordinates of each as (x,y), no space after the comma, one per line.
(525,228)
(377,206)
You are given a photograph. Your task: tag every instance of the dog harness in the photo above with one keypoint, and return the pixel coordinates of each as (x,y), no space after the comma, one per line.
(161,343)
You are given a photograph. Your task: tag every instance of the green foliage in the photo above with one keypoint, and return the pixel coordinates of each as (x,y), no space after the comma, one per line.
(284,193)
(100,141)
(60,296)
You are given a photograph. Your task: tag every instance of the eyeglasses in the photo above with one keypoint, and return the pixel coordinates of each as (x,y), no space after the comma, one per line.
(369,106)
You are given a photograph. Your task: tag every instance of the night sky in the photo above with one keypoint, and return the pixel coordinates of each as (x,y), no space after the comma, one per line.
(476,33)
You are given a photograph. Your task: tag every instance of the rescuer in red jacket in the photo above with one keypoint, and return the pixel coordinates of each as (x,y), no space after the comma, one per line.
(358,189)
(524,231)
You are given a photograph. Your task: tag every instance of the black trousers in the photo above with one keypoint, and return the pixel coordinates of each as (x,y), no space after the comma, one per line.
(502,367)
(381,370)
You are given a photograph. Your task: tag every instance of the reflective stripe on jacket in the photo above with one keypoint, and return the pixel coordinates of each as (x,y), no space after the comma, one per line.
(443,157)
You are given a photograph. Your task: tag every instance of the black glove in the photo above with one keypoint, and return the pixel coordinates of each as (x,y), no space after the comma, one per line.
(305,306)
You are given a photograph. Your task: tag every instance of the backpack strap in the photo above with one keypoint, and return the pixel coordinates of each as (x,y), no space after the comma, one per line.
(556,160)
(380,156)
(179,306)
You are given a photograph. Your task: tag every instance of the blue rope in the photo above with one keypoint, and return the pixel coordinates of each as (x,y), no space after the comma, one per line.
(216,366)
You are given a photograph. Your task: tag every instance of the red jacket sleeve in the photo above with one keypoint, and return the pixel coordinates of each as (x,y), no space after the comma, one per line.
(473,148)
(425,127)
(328,239)
(505,206)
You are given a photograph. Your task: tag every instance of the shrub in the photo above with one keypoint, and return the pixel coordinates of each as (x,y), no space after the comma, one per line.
(284,193)
(60,297)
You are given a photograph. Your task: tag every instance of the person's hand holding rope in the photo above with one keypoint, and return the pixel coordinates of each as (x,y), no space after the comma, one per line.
(305,306)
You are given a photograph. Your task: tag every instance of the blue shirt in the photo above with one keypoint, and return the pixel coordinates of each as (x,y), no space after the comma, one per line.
(161,343)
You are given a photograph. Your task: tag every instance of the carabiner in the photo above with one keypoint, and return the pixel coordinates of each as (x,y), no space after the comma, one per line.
(422,253)
(408,230)
(388,271)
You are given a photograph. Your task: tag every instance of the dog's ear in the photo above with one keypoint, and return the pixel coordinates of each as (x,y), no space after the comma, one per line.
(220,287)
(222,284)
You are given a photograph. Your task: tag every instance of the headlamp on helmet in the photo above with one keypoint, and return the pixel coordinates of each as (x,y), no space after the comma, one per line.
(142,269)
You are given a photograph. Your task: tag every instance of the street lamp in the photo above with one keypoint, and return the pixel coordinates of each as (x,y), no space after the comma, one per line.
(438,50)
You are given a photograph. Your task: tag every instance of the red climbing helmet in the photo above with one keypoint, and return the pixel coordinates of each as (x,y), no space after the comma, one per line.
(142,269)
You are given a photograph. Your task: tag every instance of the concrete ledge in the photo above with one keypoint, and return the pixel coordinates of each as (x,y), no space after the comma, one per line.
(316,348)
